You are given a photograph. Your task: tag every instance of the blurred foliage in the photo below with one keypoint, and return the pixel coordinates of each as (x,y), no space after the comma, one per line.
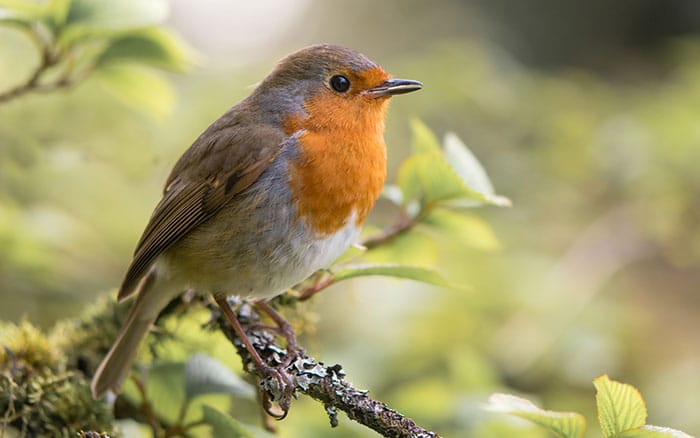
(594,270)
(621,413)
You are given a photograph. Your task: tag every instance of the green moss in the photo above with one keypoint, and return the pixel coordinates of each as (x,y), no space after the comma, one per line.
(27,343)
(84,341)
(39,396)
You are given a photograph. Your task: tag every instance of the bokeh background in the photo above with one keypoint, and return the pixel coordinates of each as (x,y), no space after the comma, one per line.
(585,114)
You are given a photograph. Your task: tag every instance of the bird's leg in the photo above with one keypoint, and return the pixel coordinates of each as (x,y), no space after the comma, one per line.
(284,328)
(286,385)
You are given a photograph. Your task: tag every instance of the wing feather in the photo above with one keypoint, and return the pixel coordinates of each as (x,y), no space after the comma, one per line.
(220,164)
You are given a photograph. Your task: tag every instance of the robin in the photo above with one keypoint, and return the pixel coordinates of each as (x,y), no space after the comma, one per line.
(275,189)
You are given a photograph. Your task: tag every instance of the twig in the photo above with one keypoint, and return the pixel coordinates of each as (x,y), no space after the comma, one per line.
(313,378)
(49,58)
(390,233)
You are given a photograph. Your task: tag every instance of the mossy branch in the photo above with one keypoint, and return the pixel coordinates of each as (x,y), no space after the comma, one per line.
(326,384)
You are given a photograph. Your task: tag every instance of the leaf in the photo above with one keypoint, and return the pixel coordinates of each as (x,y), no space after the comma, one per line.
(424,141)
(165,389)
(620,406)
(206,375)
(562,424)
(470,170)
(223,425)
(414,248)
(393,270)
(153,46)
(117,15)
(465,229)
(93,19)
(433,175)
(653,432)
(138,87)
(429,177)
(20,13)
(57,11)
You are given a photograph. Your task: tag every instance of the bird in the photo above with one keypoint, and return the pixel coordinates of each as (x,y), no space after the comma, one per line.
(275,189)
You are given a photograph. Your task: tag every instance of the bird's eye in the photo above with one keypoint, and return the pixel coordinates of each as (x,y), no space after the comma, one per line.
(340,83)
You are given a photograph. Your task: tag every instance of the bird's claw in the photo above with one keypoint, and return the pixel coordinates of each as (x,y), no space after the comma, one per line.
(281,391)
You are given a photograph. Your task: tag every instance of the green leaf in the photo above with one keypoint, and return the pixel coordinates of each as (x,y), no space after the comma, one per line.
(464,229)
(620,406)
(562,424)
(223,425)
(138,87)
(393,270)
(470,170)
(57,11)
(409,181)
(428,175)
(653,432)
(206,375)
(454,175)
(20,13)
(153,46)
(117,15)
(94,19)
(414,248)
(165,389)
(424,141)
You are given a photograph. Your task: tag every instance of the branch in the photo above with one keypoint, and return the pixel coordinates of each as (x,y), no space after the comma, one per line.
(49,58)
(325,384)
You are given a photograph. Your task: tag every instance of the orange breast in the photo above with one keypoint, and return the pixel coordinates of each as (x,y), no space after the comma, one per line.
(342,165)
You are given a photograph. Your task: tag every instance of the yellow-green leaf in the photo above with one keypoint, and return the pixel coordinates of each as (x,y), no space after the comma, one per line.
(648,431)
(223,425)
(470,170)
(562,424)
(117,15)
(138,87)
(620,406)
(413,248)
(165,386)
(153,46)
(20,13)
(392,270)
(463,228)
(423,138)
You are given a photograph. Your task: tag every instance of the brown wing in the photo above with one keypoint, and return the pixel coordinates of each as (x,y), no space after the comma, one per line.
(223,161)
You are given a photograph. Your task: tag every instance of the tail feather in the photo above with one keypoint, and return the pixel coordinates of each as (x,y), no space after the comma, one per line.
(152,296)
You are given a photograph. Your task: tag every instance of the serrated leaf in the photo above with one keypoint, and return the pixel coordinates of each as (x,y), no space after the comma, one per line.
(438,181)
(620,406)
(153,46)
(416,273)
(649,431)
(138,87)
(463,228)
(424,141)
(452,175)
(223,425)
(166,390)
(205,375)
(562,424)
(470,169)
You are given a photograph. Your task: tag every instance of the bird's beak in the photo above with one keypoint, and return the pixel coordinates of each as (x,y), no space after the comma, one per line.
(395,86)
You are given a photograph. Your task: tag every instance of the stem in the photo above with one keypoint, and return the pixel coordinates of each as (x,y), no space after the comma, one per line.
(49,57)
